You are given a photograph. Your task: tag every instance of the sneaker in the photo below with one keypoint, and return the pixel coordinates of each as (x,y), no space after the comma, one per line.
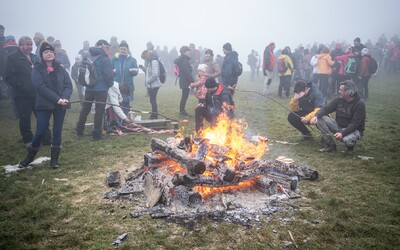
(328,148)
(350,150)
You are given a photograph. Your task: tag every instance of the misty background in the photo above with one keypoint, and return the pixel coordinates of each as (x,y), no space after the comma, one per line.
(247,25)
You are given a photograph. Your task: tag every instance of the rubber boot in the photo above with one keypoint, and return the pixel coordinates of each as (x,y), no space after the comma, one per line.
(29,158)
(55,153)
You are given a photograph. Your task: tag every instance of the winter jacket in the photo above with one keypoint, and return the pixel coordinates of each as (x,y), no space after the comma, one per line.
(349,115)
(310,103)
(324,64)
(114,96)
(185,71)
(104,70)
(18,71)
(75,72)
(365,62)
(200,90)
(123,74)
(213,68)
(8,49)
(343,59)
(215,100)
(228,75)
(152,71)
(62,57)
(51,87)
(314,62)
(268,60)
(289,64)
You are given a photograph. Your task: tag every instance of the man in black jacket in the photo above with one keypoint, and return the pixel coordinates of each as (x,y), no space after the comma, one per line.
(18,70)
(350,118)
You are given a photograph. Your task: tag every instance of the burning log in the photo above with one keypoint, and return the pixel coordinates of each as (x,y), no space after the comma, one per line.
(192,165)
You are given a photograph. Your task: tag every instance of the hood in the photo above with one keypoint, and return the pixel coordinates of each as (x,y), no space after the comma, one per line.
(284,57)
(94,51)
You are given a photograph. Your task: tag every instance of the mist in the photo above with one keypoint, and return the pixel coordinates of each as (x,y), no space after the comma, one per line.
(246,25)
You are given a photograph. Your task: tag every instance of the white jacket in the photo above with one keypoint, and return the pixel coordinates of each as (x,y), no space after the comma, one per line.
(313,63)
(114,97)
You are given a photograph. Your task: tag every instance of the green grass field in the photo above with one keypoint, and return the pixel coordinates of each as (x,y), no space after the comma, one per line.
(355,204)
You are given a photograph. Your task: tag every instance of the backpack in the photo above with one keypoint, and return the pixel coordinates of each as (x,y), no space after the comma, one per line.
(162,73)
(350,67)
(238,68)
(282,66)
(373,66)
(87,73)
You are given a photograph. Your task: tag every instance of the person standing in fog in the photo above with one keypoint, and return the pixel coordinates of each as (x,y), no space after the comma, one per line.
(61,55)
(74,75)
(84,52)
(185,77)
(125,69)
(229,71)
(54,89)
(152,81)
(268,66)
(213,69)
(18,72)
(98,91)
(252,62)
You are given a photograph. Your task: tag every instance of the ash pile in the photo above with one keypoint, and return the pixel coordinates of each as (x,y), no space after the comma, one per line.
(187,180)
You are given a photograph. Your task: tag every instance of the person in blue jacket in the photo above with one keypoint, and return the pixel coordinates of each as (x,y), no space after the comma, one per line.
(54,89)
(125,69)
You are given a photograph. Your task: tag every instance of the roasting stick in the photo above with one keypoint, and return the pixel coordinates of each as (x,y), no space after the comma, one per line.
(291,237)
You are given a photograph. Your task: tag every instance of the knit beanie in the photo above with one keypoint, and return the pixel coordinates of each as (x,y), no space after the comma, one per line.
(45,46)
(227,46)
(124,44)
(210,83)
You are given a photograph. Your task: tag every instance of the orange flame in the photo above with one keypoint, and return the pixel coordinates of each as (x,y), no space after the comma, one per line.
(208,191)
(230,133)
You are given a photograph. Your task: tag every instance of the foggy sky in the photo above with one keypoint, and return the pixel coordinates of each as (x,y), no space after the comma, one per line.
(247,25)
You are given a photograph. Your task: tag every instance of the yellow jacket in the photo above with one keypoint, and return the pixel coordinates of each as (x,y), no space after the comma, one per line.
(294,107)
(324,64)
(289,64)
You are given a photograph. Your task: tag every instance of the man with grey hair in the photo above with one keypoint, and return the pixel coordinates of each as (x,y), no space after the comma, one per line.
(348,127)
(18,71)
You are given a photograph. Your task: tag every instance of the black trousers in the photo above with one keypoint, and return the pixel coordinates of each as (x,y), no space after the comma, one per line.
(296,122)
(185,96)
(153,101)
(91,96)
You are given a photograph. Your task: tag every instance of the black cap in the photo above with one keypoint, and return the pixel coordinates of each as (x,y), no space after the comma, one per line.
(102,42)
(227,46)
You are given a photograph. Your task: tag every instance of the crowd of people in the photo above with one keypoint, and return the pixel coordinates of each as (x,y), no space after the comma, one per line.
(104,75)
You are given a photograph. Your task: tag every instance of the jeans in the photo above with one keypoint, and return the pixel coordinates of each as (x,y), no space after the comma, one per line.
(323,83)
(91,96)
(284,83)
(42,125)
(329,126)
